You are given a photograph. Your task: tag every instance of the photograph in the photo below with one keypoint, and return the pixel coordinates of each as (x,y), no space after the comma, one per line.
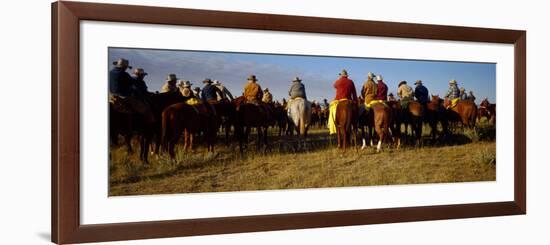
(197,121)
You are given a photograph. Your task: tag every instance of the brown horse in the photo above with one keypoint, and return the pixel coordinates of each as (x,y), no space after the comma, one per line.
(465,111)
(435,113)
(382,121)
(252,115)
(345,118)
(414,115)
(281,117)
(487,110)
(183,118)
(396,120)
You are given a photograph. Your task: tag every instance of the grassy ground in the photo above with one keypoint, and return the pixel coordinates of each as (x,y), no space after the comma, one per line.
(285,165)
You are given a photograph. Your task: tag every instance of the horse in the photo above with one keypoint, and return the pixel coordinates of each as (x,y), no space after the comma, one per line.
(252,115)
(281,117)
(346,121)
(396,120)
(414,115)
(487,110)
(435,113)
(299,111)
(130,124)
(465,111)
(181,118)
(382,120)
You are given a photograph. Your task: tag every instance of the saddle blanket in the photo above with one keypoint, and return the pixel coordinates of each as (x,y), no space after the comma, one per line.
(332,115)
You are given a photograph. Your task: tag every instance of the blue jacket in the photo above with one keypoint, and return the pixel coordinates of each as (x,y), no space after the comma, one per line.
(209,92)
(421,94)
(120,82)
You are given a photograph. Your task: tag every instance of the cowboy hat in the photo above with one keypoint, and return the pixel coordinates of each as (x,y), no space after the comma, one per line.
(452,82)
(252,77)
(418,82)
(297,79)
(140,71)
(379,78)
(216,82)
(370,75)
(462,89)
(171,77)
(185,84)
(401,83)
(343,73)
(207,80)
(266,89)
(120,63)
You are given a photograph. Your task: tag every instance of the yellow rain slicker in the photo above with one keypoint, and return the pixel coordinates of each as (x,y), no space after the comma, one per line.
(193,101)
(332,115)
(373,102)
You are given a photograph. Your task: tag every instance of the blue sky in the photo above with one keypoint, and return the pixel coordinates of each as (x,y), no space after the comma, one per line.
(317,72)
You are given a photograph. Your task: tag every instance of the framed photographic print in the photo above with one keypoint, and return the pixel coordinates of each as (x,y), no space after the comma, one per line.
(176,122)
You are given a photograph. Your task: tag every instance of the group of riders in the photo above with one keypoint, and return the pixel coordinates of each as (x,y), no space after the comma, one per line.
(129,94)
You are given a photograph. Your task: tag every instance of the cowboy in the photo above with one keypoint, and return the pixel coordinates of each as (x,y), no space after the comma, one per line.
(324,105)
(139,86)
(120,81)
(369,90)
(225,94)
(252,90)
(170,84)
(421,93)
(345,88)
(463,95)
(297,89)
(471,96)
(382,89)
(185,89)
(267,97)
(404,92)
(453,91)
(209,92)
(197,92)
(121,92)
(391,97)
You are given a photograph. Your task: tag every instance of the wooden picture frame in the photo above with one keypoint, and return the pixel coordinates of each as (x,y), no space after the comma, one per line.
(66,227)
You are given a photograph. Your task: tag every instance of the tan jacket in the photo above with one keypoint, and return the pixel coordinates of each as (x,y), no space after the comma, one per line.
(267,98)
(253,91)
(168,88)
(186,91)
(369,91)
(404,91)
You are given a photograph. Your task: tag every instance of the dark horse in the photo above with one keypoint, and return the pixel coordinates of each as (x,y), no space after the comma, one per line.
(414,115)
(252,115)
(181,118)
(435,113)
(130,124)
(465,111)
(346,122)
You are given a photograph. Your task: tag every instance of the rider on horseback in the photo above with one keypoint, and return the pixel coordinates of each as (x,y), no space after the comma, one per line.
(252,90)
(170,85)
(404,92)
(345,90)
(267,97)
(382,89)
(297,89)
(453,94)
(369,89)
(225,95)
(209,94)
(127,94)
(421,93)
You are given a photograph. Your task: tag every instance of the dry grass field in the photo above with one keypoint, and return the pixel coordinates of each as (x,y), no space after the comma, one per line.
(319,164)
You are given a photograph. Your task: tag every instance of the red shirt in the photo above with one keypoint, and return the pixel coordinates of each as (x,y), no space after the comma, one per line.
(345,89)
(382,91)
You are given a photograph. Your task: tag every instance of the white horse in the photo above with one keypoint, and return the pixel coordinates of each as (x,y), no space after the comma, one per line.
(299,112)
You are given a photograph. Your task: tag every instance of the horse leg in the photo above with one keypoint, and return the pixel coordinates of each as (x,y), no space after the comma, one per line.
(338,131)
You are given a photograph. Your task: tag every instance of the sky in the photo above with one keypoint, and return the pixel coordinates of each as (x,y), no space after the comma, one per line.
(318,73)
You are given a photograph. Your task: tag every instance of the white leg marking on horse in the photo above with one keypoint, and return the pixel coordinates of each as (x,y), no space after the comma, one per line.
(364,144)
(371,143)
(379,146)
